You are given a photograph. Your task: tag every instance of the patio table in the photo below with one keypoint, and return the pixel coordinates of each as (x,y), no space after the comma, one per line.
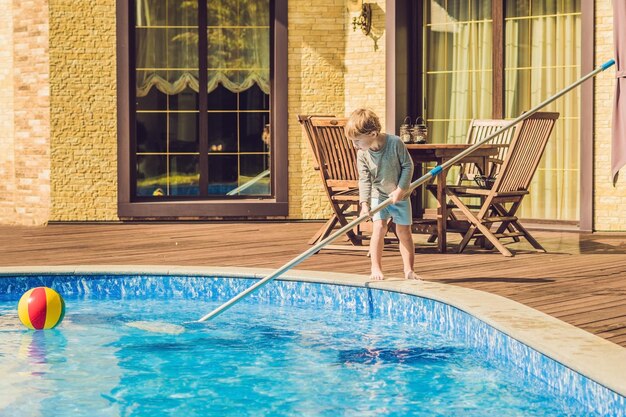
(440,153)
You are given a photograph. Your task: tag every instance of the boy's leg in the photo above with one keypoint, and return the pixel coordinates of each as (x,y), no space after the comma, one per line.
(407,250)
(376,248)
(402,217)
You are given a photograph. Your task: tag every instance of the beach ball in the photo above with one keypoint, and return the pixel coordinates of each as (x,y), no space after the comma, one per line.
(41,308)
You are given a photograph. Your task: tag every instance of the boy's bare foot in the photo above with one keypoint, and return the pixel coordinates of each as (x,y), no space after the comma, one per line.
(377,275)
(412,275)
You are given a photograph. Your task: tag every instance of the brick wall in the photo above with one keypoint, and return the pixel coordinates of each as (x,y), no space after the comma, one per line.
(332,70)
(83,120)
(316,59)
(25,120)
(609,201)
(7,163)
(365,64)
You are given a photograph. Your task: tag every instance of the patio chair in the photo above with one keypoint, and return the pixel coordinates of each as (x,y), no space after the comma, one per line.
(337,161)
(478,130)
(305,121)
(510,187)
(338,169)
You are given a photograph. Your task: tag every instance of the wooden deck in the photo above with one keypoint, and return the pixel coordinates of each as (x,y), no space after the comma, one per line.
(581,280)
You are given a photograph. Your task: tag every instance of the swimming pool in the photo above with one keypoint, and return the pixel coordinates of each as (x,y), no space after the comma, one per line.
(291,349)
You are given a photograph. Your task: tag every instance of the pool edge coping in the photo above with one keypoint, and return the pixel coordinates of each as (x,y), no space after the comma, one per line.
(592,356)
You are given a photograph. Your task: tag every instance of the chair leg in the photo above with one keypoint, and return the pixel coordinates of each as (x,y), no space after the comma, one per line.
(329,230)
(476,222)
(516,225)
(500,210)
(324,230)
(342,221)
(529,237)
(468,236)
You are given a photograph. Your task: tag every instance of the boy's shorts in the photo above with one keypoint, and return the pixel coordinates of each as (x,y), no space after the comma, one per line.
(399,212)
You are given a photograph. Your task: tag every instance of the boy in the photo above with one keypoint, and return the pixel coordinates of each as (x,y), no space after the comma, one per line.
(385,170)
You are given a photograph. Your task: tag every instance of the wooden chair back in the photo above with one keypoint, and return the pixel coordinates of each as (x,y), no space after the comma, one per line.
(305,121)
(480,129)
(525,152)
(337,155)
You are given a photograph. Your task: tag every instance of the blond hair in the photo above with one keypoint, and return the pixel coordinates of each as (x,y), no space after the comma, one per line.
(362,122)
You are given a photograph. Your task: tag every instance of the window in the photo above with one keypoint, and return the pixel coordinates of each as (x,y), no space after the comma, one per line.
(203,125)
(458,65)
(542,55)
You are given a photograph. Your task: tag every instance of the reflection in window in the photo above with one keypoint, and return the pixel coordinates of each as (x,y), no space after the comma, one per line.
(542,51)
(542,56)
(458,69)
(169,150)
(458,44)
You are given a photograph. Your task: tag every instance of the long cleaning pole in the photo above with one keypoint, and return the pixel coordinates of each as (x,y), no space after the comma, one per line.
(423,179)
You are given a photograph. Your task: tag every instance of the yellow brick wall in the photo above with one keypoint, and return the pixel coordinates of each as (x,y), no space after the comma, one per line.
(609,201)
(7,169)
(365,64)
(84,119)
(25,115)
(316,55)
(332,70)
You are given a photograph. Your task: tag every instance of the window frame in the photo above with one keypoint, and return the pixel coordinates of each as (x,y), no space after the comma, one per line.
(130,206)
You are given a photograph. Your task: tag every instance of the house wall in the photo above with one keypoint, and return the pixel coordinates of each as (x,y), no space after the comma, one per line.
(316,85)
(58,89)
(365,64)
(7,154)
(609,200)
(83,137)
(332,70)
(83,79)
(25,116)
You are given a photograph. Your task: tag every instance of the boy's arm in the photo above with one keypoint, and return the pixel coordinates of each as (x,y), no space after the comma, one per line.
(406,173)
(365,179)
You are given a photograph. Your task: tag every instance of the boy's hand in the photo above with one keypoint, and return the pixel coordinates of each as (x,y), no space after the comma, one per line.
(365,210)
(396,195)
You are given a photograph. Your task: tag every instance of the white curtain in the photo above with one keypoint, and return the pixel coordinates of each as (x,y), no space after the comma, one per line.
(459,76)
(544,56)
(459,70)
(167,45)
(471,80)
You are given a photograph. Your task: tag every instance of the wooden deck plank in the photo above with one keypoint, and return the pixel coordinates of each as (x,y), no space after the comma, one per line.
(581,280)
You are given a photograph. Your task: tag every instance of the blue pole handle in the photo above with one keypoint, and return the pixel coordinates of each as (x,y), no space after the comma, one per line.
(436,170)
(608,64)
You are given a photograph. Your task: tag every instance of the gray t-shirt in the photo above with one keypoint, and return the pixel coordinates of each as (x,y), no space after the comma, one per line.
(382,171)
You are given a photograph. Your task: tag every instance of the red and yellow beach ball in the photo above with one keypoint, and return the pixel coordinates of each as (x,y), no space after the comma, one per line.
(41,308)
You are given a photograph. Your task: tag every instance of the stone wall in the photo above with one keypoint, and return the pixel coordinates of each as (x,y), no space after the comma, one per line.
(332,70)
(83,118)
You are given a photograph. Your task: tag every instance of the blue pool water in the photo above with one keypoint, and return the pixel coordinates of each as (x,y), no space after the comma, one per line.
(294,349)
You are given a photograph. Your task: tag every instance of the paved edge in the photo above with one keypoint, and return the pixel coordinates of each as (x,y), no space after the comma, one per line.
(588,354)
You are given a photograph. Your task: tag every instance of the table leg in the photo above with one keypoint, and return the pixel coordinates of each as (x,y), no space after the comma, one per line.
(417,205)
(484,167)
(442,211)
